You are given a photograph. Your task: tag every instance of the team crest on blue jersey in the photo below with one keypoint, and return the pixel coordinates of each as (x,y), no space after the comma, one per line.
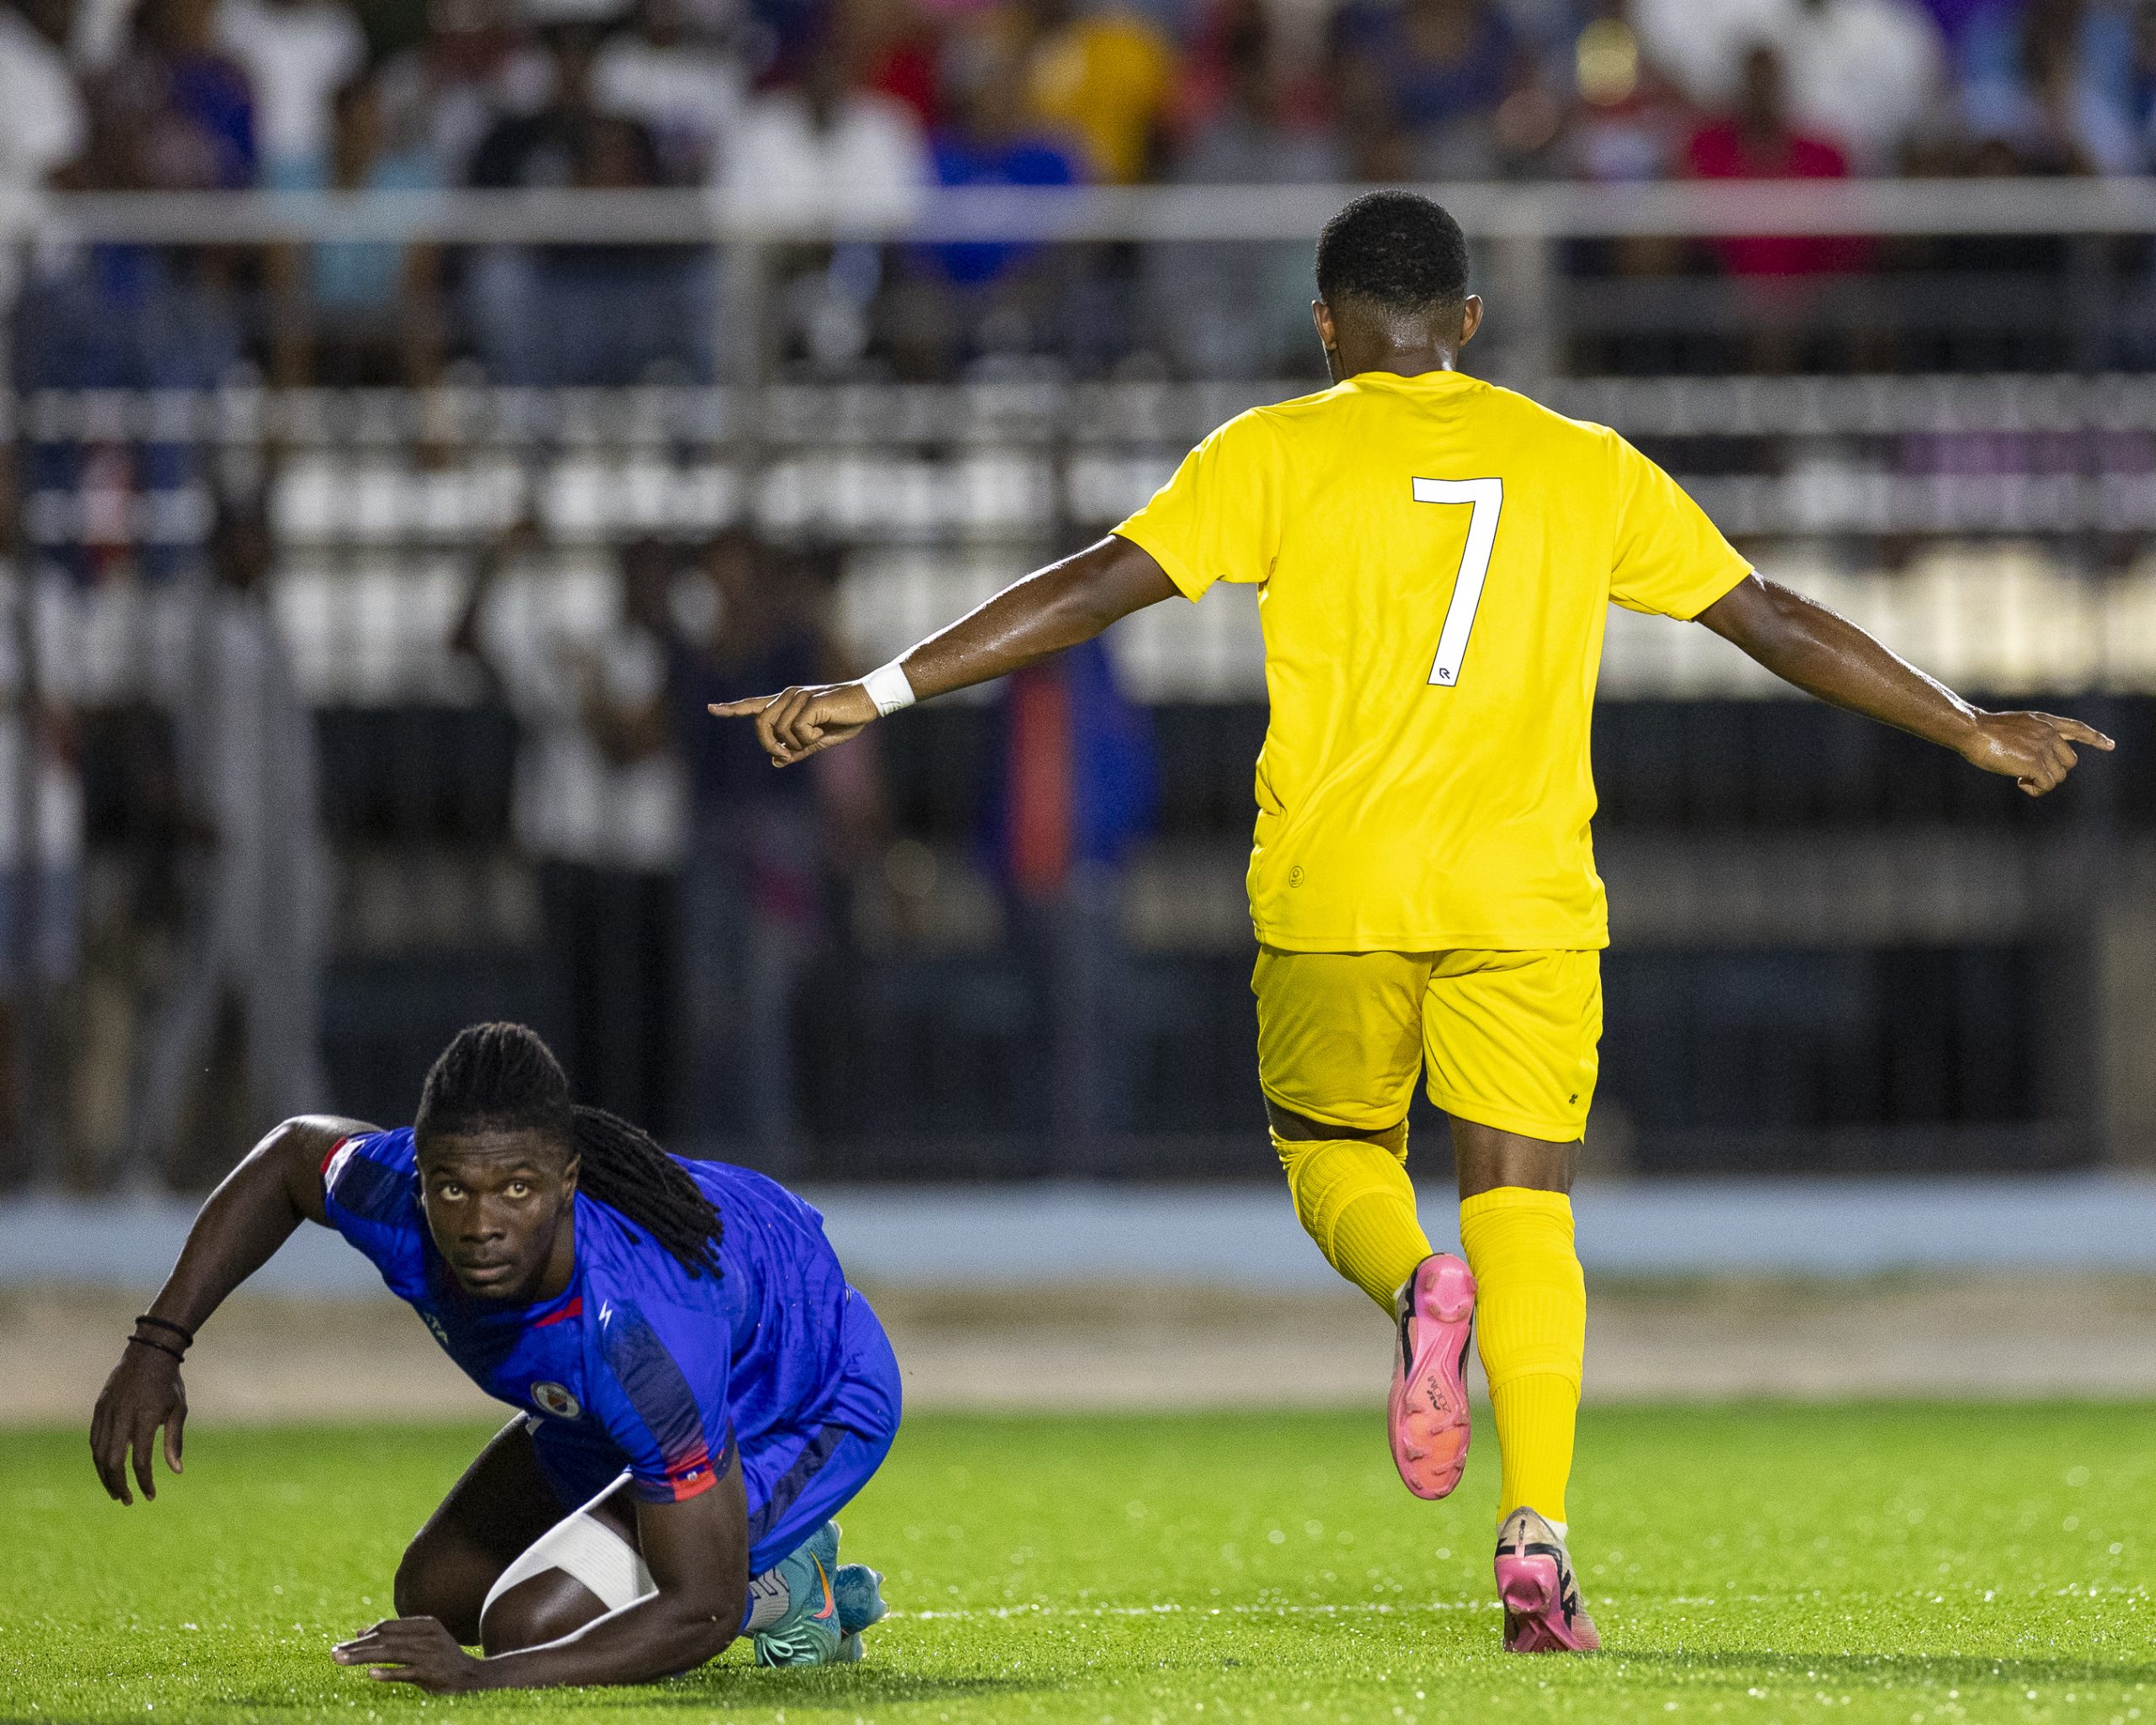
(554,1399)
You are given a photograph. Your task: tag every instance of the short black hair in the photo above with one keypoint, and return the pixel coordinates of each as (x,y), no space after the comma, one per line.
(1395,251)
(504,1078)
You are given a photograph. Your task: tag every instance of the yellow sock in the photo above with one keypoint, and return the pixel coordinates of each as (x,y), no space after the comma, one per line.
(1355,1199)
(1530,1324)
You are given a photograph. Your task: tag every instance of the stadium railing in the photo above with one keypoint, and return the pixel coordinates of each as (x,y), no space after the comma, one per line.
(1522,231)
(1947,980)
(1548,210)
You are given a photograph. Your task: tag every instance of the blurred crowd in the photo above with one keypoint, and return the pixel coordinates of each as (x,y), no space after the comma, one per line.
(805,103)
(188,876)
(164,871)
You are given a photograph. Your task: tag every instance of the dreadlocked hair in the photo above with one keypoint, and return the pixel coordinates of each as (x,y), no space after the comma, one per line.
(624,1167)
(502,1078)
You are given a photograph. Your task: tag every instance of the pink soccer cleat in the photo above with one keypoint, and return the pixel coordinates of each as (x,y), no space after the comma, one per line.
(1428,1406)
(1543,1613)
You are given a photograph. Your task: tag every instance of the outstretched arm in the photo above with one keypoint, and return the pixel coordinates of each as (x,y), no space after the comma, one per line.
(1049,609)
(1803,643)
(245,1221)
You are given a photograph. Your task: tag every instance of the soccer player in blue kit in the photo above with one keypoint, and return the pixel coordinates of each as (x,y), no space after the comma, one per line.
(700,1389)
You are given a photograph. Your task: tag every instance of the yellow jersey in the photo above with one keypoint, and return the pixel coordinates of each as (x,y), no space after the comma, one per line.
(1435,559)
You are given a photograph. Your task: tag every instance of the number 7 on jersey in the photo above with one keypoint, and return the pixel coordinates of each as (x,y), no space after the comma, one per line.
(1486,497)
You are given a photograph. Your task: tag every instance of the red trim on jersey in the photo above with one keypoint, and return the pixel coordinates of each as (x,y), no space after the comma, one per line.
(332,1166)
(692,1474)
(574,1309)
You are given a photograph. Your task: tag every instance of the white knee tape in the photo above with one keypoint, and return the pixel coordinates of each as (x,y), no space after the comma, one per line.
(586,1548)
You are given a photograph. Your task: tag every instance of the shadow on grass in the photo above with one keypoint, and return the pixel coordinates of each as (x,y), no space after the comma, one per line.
(845,1685)
(1955,1669)
(845,1689)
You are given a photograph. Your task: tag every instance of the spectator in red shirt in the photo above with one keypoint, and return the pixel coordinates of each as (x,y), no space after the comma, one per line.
(1757,141)
(896,48)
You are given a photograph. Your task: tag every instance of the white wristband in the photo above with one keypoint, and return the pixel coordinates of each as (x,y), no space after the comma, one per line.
(888,687)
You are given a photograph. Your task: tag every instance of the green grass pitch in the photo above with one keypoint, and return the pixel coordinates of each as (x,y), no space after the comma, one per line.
(1907,1563)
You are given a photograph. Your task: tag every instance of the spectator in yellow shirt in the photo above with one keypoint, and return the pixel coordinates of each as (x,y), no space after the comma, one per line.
(1104,78)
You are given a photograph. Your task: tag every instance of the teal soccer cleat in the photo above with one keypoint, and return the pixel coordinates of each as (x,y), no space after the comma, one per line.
(859,1591)
(808,1634)
(829,1604)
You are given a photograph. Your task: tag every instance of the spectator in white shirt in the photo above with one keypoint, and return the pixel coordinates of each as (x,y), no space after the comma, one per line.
(1701,44)
(1864,73)
(41,864)
(826,146)
(42,124)
(475,65)
(687,94)
(600,806)
(258,921)
(296,54)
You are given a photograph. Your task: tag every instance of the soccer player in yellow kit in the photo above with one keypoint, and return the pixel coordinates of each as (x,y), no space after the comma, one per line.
(1434,558)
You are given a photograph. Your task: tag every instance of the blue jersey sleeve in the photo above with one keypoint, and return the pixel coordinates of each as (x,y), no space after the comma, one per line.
(370,1192)
(658,1385)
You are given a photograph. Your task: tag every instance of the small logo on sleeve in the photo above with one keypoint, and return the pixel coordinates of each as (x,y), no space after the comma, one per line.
(1296,875)
(554,1399)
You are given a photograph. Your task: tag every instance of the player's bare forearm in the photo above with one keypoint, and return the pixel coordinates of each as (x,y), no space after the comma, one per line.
(1805,644)
(651,1637)
(656,1636)
(1031,620)
(698,1554)
(252,1213)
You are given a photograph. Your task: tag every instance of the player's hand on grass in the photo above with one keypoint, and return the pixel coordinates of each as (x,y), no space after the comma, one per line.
(801,721)
(143,1393)
(2035,749)
(415,1650)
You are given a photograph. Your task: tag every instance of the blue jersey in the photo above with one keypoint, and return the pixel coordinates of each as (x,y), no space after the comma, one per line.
(637,1366)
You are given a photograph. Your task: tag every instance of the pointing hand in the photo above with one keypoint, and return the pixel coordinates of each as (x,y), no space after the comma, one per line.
(801,721)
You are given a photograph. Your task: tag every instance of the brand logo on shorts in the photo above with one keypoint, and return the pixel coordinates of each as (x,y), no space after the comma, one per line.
(553,1398)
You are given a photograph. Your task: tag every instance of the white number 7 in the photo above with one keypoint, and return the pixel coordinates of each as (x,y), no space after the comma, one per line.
(1488,497)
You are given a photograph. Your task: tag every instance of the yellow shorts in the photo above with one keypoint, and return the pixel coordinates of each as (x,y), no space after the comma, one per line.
(1509,1036)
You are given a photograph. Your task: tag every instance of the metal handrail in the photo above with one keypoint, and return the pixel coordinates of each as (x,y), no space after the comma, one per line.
(1155,414)
(1150,214)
